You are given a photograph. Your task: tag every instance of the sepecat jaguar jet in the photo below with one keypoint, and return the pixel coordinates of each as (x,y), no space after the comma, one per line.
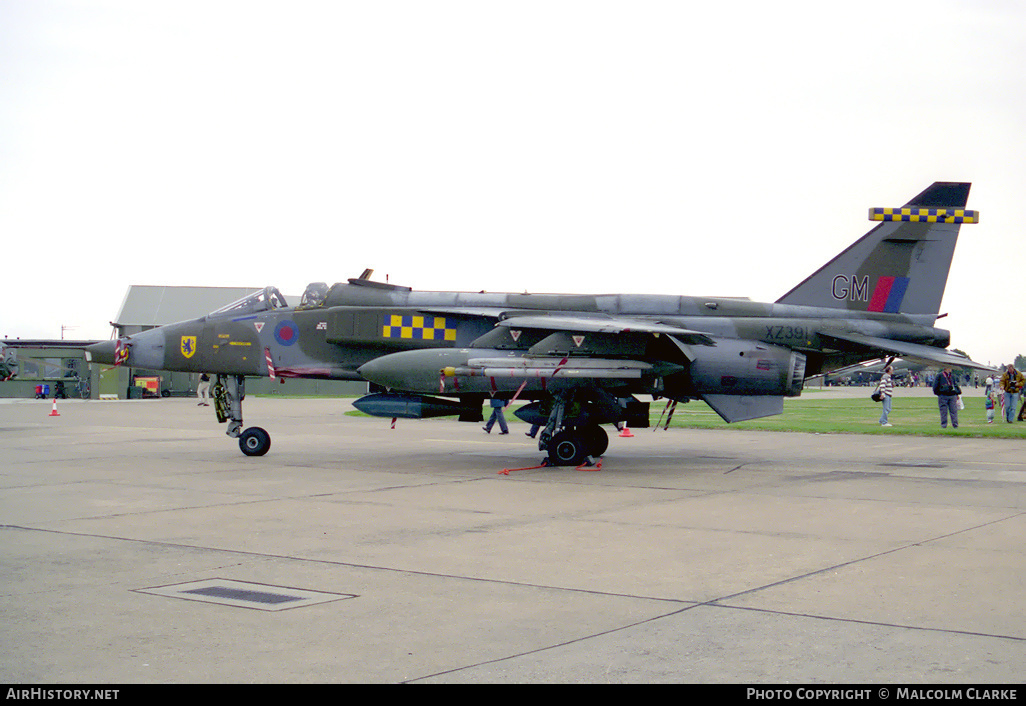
(581,361)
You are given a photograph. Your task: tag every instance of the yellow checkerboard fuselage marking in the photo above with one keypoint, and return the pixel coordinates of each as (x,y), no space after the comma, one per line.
(418,328)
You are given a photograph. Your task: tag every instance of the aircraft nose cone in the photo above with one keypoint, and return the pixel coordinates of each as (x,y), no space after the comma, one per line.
(102,353)
(145,350)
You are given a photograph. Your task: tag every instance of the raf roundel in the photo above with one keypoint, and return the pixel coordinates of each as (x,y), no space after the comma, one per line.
(286,333)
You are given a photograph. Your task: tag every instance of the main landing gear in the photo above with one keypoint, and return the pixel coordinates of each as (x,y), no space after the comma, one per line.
(228,393)
(574,445)
(572,436)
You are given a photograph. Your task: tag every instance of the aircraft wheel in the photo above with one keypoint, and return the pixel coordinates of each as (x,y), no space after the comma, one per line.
(596,439)
(254,441)
(567,448)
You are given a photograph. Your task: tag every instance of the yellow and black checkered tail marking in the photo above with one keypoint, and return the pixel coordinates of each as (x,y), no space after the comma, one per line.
(418,328)
(925,215)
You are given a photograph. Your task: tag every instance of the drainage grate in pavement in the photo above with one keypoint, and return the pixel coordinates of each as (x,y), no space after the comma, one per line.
(245,595)
(241,595)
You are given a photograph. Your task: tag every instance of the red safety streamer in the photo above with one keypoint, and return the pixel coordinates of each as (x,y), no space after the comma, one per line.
(270,363)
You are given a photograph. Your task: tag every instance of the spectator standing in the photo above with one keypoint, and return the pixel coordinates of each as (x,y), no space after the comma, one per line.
(947,391)
(1011,384)
(886,389)
(203,390)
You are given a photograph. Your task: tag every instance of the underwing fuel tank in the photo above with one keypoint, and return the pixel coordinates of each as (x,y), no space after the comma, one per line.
(484,371)
(731,367)
(386,404)
(413,371)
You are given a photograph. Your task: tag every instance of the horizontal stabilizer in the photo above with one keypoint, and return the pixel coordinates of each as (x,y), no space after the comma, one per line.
(929,355)
(925,215)
(739,408)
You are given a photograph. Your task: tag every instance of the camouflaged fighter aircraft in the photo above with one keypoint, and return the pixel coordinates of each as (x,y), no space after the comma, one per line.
(581,359)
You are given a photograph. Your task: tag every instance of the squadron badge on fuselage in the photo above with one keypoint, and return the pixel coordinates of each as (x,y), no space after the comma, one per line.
(188,346)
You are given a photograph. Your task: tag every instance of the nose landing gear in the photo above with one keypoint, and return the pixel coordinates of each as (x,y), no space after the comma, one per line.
(254,441)
(228,393)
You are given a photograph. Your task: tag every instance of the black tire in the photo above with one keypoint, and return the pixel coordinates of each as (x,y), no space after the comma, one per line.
(596,439)
(567,448)
(254,441)
(165,393)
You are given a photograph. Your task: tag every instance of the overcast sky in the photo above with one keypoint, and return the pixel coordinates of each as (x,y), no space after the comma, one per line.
(550,146)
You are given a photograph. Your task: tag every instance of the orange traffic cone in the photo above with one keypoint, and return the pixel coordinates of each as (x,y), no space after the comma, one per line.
(626,432)
(54,412)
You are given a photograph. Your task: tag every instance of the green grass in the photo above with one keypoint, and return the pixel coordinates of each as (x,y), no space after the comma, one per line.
(917,416)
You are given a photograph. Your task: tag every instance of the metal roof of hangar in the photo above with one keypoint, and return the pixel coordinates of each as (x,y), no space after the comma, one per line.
(156,305)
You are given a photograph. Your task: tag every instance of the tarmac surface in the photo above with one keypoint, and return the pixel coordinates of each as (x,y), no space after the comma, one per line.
(140,546)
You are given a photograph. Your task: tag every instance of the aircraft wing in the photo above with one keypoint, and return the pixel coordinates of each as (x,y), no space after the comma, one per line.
(605,324)
(929,355)
(486,312)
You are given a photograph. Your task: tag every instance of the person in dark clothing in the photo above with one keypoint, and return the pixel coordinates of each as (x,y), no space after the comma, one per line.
(947,391)
(496,404)
(1012,382)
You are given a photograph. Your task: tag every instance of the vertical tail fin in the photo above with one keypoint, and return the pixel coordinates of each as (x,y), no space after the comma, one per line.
(901,266)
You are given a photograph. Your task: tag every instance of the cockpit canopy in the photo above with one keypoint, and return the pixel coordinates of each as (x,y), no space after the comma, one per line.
(262,300)
(315,294)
